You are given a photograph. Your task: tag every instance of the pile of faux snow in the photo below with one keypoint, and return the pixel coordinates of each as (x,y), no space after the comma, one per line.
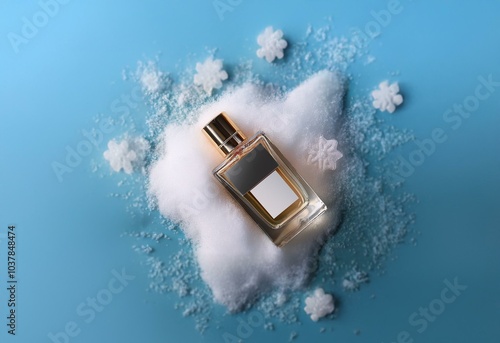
(237,260)
(374,217)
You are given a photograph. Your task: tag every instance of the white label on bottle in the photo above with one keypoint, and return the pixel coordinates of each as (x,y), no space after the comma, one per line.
(274,194)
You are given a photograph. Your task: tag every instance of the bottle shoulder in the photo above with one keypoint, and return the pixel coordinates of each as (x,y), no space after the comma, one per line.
(247,146)
(257,135)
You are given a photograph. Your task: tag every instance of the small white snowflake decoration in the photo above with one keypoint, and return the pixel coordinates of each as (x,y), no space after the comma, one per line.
(387,97)
(127,154)
(324,154)
(319,304)
(272,44)
(210,75)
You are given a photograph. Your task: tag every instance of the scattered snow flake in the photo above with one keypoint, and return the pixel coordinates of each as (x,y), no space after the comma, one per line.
(269,326)
(325,154)
(369,59)
(280,299)
(272,44)
(210,75)
(127,154)
(144,249)
(152,80)
(322,33)
(387,97)
(309,30)
(319,304)
(353,279)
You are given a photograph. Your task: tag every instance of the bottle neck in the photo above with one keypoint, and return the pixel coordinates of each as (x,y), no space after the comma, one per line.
(224,133)
(231,143)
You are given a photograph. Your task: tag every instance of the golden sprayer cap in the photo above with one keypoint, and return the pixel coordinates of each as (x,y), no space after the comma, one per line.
(224,133)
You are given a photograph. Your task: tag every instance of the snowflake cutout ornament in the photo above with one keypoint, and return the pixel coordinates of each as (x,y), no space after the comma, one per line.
(387,97)
(210,75)
(127,154)
(324,154)
(272,44)
(319,304)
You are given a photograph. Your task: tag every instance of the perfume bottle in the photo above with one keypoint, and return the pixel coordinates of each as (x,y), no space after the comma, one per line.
(260,178)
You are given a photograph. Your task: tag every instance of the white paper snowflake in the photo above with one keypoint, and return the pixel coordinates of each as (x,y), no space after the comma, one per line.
(319,304)
(324,154)
(128,154)
(272,44)
(210,75)
(387,97)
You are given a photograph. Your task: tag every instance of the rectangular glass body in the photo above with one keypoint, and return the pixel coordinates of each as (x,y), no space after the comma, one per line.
(260,178)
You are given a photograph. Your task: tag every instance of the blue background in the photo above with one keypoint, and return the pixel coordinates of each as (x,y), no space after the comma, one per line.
(68,233)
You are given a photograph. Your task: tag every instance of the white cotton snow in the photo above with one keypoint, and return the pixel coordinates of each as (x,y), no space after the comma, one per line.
(237,260)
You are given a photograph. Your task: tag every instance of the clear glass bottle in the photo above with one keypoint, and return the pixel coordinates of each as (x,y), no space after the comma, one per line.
(260,178)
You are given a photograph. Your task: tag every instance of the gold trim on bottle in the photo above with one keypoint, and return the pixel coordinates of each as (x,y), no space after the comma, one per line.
(224,133)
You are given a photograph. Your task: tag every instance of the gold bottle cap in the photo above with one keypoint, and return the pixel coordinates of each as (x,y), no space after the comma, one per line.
(224,133)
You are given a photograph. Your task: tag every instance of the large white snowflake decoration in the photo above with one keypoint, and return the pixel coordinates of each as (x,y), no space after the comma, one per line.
(210,75)
(319,304)
(272,44)
(324,154)
(387,97)
(127,154)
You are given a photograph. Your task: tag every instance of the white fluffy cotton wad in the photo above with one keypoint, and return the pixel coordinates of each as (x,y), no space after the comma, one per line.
(237,260)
